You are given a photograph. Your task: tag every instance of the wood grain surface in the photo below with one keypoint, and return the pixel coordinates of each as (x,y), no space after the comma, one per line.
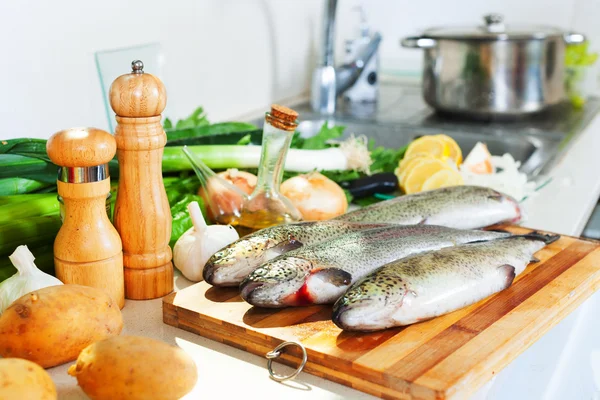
(448,357)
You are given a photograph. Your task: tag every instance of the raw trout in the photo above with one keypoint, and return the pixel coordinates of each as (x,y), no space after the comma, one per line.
(426,285)
(320,274)
(230,265)
(463,207)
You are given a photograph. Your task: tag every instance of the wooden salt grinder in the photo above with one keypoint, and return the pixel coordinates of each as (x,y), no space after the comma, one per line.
(142,214)
(87,249)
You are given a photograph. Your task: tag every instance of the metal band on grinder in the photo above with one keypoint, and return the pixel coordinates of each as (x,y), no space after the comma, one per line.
(83,174)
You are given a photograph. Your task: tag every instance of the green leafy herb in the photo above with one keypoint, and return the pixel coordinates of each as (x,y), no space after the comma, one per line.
(342,176)
(319,141)
(197,118)
(181,218)
(578,55)
(577,59)
(385,159)
(245,140)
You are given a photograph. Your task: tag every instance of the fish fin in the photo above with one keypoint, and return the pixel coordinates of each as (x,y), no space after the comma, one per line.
(535,235)
(284,247)
(423,222)
(335,276)
(534,259)
(498,230)
(508,271)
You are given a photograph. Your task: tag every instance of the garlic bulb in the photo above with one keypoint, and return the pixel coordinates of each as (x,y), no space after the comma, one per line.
(27,279)
(199,243)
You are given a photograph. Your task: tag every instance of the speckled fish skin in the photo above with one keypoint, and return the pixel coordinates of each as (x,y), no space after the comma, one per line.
(320,274)
(230,265)
(434,283)
(463,207)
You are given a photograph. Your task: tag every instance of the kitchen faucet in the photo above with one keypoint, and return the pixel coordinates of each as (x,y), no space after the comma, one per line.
(328,82)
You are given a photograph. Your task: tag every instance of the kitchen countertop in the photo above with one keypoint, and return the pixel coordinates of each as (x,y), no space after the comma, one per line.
(562,364)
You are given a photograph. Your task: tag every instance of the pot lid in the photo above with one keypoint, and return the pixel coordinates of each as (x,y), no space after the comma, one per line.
(494,28)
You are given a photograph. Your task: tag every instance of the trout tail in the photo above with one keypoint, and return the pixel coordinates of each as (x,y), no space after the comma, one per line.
(540,237)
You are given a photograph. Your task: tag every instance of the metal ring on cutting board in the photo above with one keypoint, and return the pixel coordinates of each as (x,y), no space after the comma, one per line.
(276,352)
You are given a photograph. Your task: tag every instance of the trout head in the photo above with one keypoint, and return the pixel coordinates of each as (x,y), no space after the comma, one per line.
(272,284)
(230,265)
(371,304)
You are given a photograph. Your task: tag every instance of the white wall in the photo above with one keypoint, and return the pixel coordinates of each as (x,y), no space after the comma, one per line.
(231,56)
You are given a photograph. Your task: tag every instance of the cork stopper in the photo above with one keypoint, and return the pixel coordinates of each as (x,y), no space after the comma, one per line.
(282,117)
(81,147)
(137,94)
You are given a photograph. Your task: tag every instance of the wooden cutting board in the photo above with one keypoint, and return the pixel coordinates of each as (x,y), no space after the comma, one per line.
(448,357)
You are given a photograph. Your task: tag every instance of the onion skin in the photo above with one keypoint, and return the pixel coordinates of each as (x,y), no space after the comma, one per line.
(227,203)
(317,197)
(242,179)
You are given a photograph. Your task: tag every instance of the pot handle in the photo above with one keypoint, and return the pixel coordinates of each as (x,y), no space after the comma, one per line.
(417,42)
(574,38)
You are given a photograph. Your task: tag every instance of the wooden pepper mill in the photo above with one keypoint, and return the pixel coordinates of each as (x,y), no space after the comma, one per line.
(142,214)
(87,249)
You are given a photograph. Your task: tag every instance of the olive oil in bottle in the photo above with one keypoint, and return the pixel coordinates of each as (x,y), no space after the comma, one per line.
(266,206)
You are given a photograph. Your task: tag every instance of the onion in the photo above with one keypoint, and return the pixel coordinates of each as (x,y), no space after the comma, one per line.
(316,197)
(224,200)
(242,179)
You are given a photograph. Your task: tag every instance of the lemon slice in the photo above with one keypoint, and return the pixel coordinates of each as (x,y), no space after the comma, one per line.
(418,174)
(455,153)
(406,159)
(403,171)
(443,178)
(407,163)
(432,145)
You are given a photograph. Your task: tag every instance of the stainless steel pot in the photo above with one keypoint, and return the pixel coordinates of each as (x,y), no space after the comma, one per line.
(494,69)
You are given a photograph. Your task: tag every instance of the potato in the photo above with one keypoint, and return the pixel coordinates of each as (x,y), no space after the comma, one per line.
(52,325)
(134,368)
(22,379)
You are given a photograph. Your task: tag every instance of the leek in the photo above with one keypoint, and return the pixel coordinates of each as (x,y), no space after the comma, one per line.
(23,166)
(351,154)
(11,186)
(21,198)
(45,204)
(34,231)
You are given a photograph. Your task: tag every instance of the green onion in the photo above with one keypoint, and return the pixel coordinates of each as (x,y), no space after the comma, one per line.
(45,204)
(20,198)
(34,231)
(252,136)
(25,147)
(17,165)
(11,186)
(209,130)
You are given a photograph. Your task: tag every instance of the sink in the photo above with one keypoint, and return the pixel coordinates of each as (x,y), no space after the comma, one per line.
(400,115)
